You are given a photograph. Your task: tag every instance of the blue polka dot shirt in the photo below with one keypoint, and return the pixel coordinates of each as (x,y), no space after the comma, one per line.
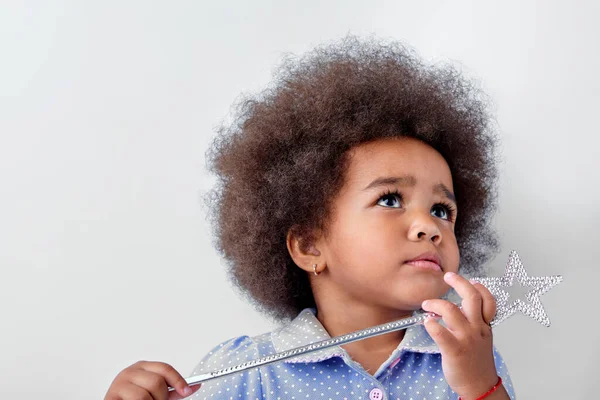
(412,371)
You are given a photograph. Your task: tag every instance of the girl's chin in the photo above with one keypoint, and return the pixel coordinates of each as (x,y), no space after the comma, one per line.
(416,298)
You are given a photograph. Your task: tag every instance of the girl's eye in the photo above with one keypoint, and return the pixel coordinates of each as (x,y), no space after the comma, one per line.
(442,211)
(391,200)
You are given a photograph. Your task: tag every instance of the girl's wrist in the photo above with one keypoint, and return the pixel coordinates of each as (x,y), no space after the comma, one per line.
(483,393)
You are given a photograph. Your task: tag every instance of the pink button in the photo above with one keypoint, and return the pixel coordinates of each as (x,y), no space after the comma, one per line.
(376,394)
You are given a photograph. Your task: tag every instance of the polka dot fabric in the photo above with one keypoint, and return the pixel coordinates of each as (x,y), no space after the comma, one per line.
(413,371)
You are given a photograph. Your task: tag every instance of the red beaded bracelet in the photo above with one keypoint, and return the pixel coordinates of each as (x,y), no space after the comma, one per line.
(492,390)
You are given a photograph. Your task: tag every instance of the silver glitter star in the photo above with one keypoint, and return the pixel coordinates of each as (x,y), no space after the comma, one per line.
(535,286)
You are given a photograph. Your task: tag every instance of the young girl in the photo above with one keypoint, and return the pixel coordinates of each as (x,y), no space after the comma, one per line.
(352,192)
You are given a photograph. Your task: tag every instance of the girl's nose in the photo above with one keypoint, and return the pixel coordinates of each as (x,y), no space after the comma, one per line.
(423,227)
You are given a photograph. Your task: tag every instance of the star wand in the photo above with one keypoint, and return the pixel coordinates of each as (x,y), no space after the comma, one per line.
(498,286)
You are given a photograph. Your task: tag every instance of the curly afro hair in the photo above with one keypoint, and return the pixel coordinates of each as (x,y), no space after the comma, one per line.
(281,161)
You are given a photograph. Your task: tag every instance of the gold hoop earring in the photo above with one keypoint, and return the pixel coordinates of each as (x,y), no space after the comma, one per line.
(315,270)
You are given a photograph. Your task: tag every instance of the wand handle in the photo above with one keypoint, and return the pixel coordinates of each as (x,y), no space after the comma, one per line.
(316,346)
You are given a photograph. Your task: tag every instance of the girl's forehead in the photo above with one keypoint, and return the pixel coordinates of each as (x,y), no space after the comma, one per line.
(397,157)
(391,145)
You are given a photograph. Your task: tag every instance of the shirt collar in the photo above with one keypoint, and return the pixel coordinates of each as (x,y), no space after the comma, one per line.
(306,329)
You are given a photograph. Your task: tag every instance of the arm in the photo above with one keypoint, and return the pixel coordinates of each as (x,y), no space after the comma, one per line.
(470,362)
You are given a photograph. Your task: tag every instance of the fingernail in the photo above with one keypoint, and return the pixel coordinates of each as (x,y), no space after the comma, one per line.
(187,390)
(473,281)
(449,275)
(424,304)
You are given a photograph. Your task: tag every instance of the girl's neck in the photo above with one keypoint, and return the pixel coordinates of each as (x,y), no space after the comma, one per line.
(340,319)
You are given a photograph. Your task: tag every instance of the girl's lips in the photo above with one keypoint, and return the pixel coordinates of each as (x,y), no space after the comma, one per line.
(425,264)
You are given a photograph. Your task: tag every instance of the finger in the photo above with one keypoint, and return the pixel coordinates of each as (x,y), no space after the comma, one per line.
(444,339)
(450,313)
(471,298)
(176,396)
(152,383)
(132,391)
(489,302)
(169,376)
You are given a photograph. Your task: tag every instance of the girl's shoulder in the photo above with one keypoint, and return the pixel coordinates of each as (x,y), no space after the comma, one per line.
(235,351)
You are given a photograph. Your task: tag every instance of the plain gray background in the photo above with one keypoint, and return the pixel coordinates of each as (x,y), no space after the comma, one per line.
(107,109)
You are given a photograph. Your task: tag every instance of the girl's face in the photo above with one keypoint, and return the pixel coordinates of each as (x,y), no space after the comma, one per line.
(396,205)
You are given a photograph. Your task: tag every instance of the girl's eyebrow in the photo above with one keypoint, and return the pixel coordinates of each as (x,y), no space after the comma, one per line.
(406,180)
(409,180)
(441,188)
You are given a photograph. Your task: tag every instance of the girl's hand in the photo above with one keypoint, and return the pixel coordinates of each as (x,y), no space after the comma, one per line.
(147,380)
(466,343)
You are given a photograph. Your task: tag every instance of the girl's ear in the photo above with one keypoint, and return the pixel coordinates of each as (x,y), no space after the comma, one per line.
(303,251)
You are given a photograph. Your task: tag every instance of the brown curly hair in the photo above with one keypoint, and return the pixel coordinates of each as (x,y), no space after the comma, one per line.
(281,161)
